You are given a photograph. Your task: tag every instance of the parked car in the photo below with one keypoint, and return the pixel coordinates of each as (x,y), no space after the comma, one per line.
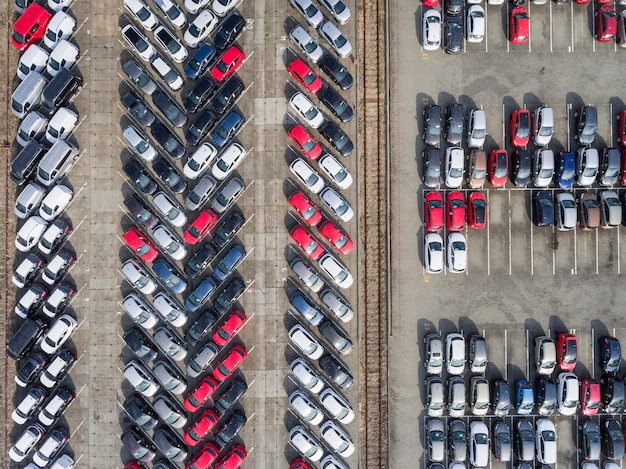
(545,395)
(546,441)
(479,444)
(568,400)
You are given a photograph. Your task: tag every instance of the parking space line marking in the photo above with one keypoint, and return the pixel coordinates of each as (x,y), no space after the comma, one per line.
(508,13)
(552,243)
(529,35)
(611,121)
(619,267)
(550,10)
(509,193)
(488,249)
(575,254)
(506,355)
(597,252)
(593,28)
(486,35)
(503,126)
(527,355)
(593,353)
(532,248)
(571,28)
(568,108)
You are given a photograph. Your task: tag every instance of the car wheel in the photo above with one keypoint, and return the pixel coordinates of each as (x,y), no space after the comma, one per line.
(617,117)
(576,114)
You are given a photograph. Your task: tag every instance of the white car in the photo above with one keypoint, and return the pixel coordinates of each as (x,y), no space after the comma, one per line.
(336,39)
(53,235)
(433,253)
(455,167)
(545,437)
(308,111)
(141,379)
(58,334)
(167,73)
(64,55)
(169,242)
(141,13)
(565,211)
(173,212)
(307,175)
(337,438)
(59,5)
(199,161)
(58,266)
(139,311)
(543,167)
(337,305)
(61,125)
(335,170)
(306,443)
(567,393)
(455,353)
(331,462)
(338,9)
(306,408)
(172,12)
(32,127)
(58,300)
(169,309)
(60,27)
(29,405)
(200,28)
(228,160)
(27,441)
(54,408)
(457,253)
(194,6)
(306,342)
(27,270)
(170,44)
(587,165)
(476,128)
(222,7)
(64,462)
(337,406)
(309,11)
(34,59)
(475,23)
(55,202)
(303,40)
(30,233)
(139,142)
(479,444)
(136,275)
(307,375)
(431,30)
(138,42)
(29,200)
(334,201)
(543,125)
(336,271)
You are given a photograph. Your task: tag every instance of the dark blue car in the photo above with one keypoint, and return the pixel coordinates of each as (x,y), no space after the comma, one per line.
(227,129)
(229,262)
(200,294)
(524,397)
(199,62)
(170,276)
(565,169)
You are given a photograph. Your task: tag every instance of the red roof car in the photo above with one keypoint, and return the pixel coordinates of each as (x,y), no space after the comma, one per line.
(519,25)
(455,209)
(233,459)
(476,210)
(566,347)
(228,63)
(134,465)
(340,240)
(299,463)
(305,142)
(520,128)
(621,128)
(306,241)
(203,460)
(229,364)
(200,394)
(140,244)
(305,76)
(30,26)
(201,427)
(590,398)
(498,168)
(200,227)
(622,171)
(229,329)
(433,212)
(305,208)
(606,23)
(431,3)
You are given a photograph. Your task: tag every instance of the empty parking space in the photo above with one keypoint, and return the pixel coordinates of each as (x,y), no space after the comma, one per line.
(498,228)
(560,30)
(520,243)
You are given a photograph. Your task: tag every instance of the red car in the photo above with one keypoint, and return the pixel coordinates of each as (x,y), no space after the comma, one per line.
(305,75)
(307,242)
(140,244)
(305,142)
(519,23)
(622,172)
(305,208)
(590,396)
(229,364)
(299,463)
(233,459)
(498,168)
(207,456)
(520,128)
(431,3)
(200,227)
(621,128)
(340,240)
(606,23)
(433,212)
(134,465)
(455,208)
(228,63)
(566,351)
(201,427)
(229,329)
(30,26)
(476,210)
(200,394)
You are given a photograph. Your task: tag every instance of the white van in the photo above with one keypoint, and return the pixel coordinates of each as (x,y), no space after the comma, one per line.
(61,125)
(33,127)
(33,60)
(56,163)
(27,95)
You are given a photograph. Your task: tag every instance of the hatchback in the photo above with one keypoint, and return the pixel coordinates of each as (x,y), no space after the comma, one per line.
(228,161)
(589,211)
(479,400)
(431,29)
(195,68)
(227,95)
(477,356)
(200,193)
(337,204)
(170,343)
(229,30)
(307,175)
(590,440)
(201,427)
(336,104)
(58,334)
(453,34)
(605,23)
(610,209)
(170,410)
(434,396)
(545,395)
(476,210)
(520,128)
(433,361)
(230,362)
(28,269)
(431,172)
(141,411)
(59,299)
(138,444)
(565,169)
(479,444)
(338,305)
(312,15)
(567,393)
(476,169)
(31,300)
(498,168)
(610,166)
(543,125)
(524,397)
(520,174)
(457,253)
(455,353)
(610,354)
(341,13)
(336,271)
(476,23)
(26,442)
(525,441)
(171,277)
(200,227)
(227,128)
(455,167)
(305,75)
(336,370)
(455,211)
(228,63)
(435,440)
(433,212)
(546,441)
(337,138)
(307,111)
(456,396)
(29,405)
(335,38)
(306,443)
(336,71)
(432,124)
(501,397)
(519,25)
(502,442)
(55,407)
(170,376)
(586,124)
(200,28)
(542,167)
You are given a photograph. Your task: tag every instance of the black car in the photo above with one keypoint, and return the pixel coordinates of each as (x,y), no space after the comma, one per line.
(140,177)
(228,31)
(228,229)
(227,95)
(31,369)
(545,395)
(543,210)
(453,33)
(336,371)
(230,396)
(336,336)
(200,94)
(230,428)
(169,108)
(200,128)
(586,125)
(336,71)
(520,175)
(610,163)
(432,125)
(140,211)
(169,175)
(141,411)
(168,140)
(457,440)
(336,104)
(454,7)
(612,395)
(200,261)
(610,354)
(337,138)
(455,118)
(170,444)
(140,345)
(138,444)
(138,108)
(229,295)
(501,397)
(200,328)
(612,439)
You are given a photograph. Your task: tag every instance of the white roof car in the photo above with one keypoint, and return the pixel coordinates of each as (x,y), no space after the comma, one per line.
(57,369)
(610,209)
(199,161)
(227,195)
(140,143)
(29,200)
(457,253)
(337,406)
(479,444)
(433,253)
(27,270)
(141,13)
(139,311)
(545,437)
(222,7)
(228,160)
(587,165)
(172,12)
(194,6)
(64,55)
(138,42)
(170,377)
(29,405)
(334,201)
(476,128)
(200,28)
(169,309)
(57,267)
(173,212)
(59,332)
(59,5)
(308,111)
(170,44)
(337,438)
(53,235)
(336,39)
(33,60)
(431,30)
(309,11)
(167,72)
(338,9)
(61,125)
(337,305)
(64,462)
(306,443)
(309,177)
(455,353)
(200,193)
(303,40)
(30,233)
(26,442)
(138,277)
(307,275)
(306,408)
(32,127)
(567,393)
(330,462)
(55,202)
(475,23)
(55,407)
(60,27)
(336,271)
(171,244)
(306,342)
(455,166)
(335,170)
(543,125)
(307,375)
(435,396)
(565,211)
(58,300)
(543,167)
(479,399)
(141,379)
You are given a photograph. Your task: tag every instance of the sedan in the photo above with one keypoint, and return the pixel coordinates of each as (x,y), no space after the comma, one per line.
(546,441)
(433,212)
(230,363)
(453,34)
(169,175)
(312,15)
(337,237)
(138,42)
(305,142)
(307,242)
(139,143)
(200,227)
(170,276)
(200,128)
(455,210)
(336,104)
(138,108)
(519,25)
(202,426)
(433,253)
(139,76)
(335,170)
(140,244)
(524,397)
(305,75)
(475,23)
(542,208)
(200,260)
(227,95)
(336,371)
(432,124)
(520,128)
(307,175)
(336,72)
(309,213)
(476,210)
(455,353)
(306,110)
(435,440)
(457,253)
(337,138)
(455,166)
(170,109)
(479,444)
(610,354)
(168,140)
(336,39)
(228,63)
(335,202)
(431,30)
(606,23)
(170,44)
(200,28)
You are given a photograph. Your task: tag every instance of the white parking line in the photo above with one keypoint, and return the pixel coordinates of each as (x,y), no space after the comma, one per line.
(509,243)
(529,35)
(488,249)
(506,354)
(532,248)
(568,108)
(508,15)
(528,358)
(552,243)
(486,29)
(575,255)
(619,267)
(571,26)
(503,125)
(597,252)
(550,10)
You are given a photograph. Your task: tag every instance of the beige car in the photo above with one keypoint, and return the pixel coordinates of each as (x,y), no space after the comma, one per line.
(476,169)
(589,211)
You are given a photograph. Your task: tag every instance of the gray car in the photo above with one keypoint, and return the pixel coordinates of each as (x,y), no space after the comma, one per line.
(169,108)
(545,396)
(434,396)
(140,76)
(502,445)
(431,172)
(455,118)
(457,440)
(436,440)
(610,163)
(227,195)
(586,125)
(170,377)
(170,444)
(336,336)
(565,211)
(525,441)
(589,440)
(477,354)
(456,396)
(432,125)
(138,108)
(434,354)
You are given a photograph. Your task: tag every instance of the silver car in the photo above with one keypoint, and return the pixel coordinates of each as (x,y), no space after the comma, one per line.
(565,208)
(502,445)
(227,195)
(479,444)
(457,440)
(171,345)
(303,40)
(334,201)
(610,209)
(170,377)
(309,11)
(525,441)
(434,354)
(436,440)
(456,396)
(434,396)
(336,39)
